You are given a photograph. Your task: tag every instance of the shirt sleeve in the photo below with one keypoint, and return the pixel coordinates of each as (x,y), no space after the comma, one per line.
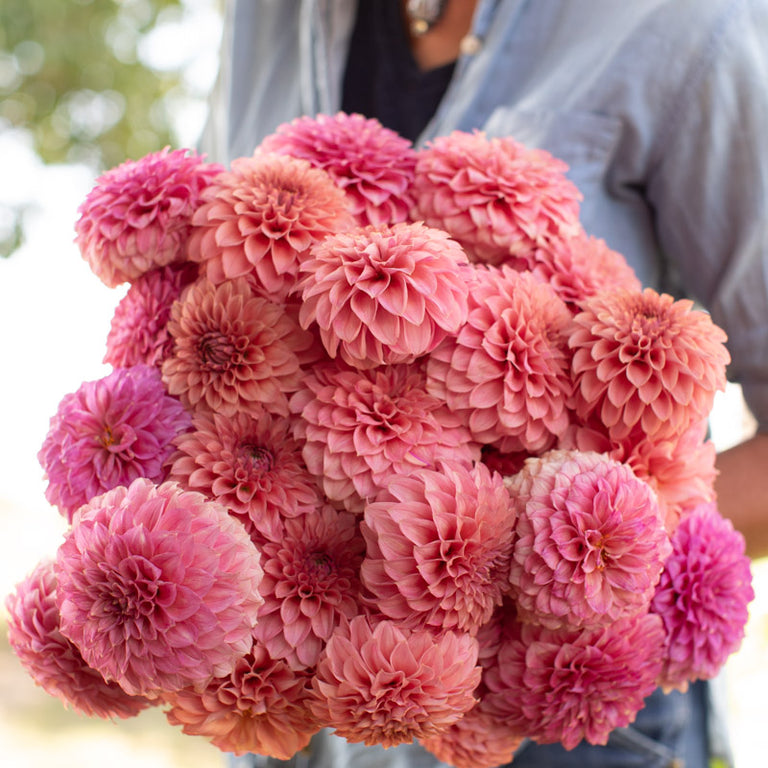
(709,190)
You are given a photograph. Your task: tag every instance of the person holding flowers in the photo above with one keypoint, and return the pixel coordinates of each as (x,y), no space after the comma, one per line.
(659,110)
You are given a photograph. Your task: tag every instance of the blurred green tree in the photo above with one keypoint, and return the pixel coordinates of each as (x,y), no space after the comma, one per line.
(72,76)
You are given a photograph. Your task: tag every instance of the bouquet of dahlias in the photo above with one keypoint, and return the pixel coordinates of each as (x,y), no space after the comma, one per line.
(391,446)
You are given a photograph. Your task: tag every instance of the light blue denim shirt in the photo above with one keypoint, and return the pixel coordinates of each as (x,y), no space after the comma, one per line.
(659,107)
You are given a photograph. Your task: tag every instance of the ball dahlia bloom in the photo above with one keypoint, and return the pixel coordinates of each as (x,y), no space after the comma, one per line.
(567,686)
(372,164)
(53,661)
(477,740)
(642,360)
(361,427)
(158,587)
(260,707)
(507,372)
(138,333)
(311,582)
(138,215)
(251,465)
(379,683)
(108,433)
(384,294)
(590,541)
(233,352)
(579,267)
(495,196)
(438,547)
(702,597)
(261,218)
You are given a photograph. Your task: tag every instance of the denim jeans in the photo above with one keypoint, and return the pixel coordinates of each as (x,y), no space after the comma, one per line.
(669,732)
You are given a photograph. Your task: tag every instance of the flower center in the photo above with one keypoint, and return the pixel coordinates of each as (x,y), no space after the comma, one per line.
(216,351)
(259,459)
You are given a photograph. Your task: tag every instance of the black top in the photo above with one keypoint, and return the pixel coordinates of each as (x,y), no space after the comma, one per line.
(382,78)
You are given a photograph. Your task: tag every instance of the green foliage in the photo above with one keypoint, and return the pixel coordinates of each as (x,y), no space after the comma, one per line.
(71,74)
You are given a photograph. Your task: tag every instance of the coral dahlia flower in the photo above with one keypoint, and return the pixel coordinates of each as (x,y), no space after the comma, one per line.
(378,683)
(361,427)
(260,707)
(158,587)
(311,582)
(138,215)
(702,597)
(567,686)
(251,465)
(507,373)
(495,196)
(590,540)
(384,295)
(233,351)
(438,547)
(372,164)
(261,218)
(53,661)
(138,334)
(108,433)
(643,360)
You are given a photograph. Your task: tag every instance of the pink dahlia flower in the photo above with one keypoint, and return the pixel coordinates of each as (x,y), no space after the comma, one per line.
(568,686)
(702,597)
(361,427)
(138,215)
(498,198)
(384,295)
(378,683)
(138,334)
(590,541)
(372,164)
(310,583)
(252,466)
(53,662)
(507,373)
(643,360)
(158,587)
(438,547)
(477,740)
(261,218)
(108,433)
(261,707)
(233,351)
(581,266)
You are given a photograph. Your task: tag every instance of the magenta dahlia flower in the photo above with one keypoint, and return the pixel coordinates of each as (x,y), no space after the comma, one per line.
(158,587)
(311,581)
(477,740)
(590,541)
(384,295)
(138,215)
(108,433)
(568,686)
(702,597)
(496,197)
(438,547)
(361,427)
(643,360)
(261,218)
(53,661)
(138,334)
(261,707)
(372,164)
(233,351)
(507,373)
(252,466)
(378,683)
(579,267)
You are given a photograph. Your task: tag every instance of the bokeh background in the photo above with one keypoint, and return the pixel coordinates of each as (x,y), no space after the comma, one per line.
(84,85)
